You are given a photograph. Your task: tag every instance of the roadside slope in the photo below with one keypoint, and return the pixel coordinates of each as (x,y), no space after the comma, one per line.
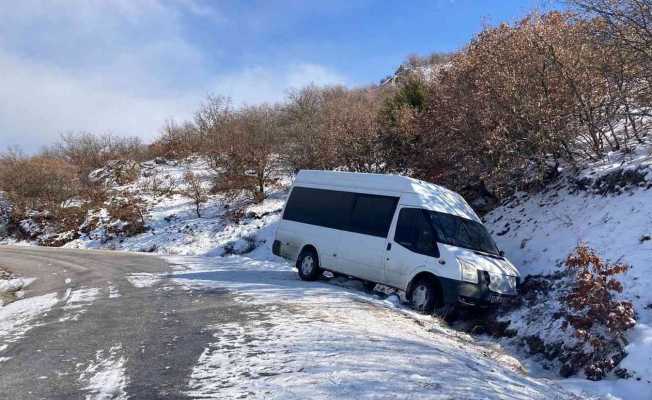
(607,205)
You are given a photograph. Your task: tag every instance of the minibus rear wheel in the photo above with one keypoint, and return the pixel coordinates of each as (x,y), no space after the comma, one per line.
(423,295)
(308,265)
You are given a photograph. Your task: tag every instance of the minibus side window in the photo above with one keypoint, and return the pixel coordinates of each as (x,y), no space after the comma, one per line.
(413,231)
(372,214)
(355,212)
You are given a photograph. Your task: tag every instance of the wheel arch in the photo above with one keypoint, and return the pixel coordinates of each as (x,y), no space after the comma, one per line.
(308,246)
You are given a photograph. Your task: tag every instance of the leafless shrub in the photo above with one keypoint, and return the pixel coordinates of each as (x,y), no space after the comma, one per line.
(177,141)
(352,117)
(517,101)
(235,214)
(241,145)
(89,151)
(308,142)
(129,211)
(627,24)
(94,193)
(194,191)
(158,185)
(327,128)
(36,182)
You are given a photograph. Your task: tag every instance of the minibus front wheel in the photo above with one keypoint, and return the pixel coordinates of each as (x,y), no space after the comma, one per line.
(424,294)
(308,264)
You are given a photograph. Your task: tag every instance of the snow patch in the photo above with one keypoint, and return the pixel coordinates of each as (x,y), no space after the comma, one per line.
(11,285)
(142,280)
(114,293)
(76,301)
(105,378)
(19,317)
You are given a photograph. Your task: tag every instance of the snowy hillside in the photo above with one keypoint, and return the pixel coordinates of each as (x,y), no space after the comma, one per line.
(172,227)
(426,69)
(608,205)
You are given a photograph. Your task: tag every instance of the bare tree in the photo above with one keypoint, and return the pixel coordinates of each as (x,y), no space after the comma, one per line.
(243,149)
(87,151)
(178,140)
(308,142)
(194,190)
(352,118)
(627,25)
(37,182)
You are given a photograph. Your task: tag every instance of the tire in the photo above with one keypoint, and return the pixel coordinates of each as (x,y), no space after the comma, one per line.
(308,265)
(424,295)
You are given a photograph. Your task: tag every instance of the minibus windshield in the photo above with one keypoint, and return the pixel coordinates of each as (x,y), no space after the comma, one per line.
(462,232)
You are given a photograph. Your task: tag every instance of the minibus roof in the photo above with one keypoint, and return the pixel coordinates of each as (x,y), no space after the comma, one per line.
(413,192)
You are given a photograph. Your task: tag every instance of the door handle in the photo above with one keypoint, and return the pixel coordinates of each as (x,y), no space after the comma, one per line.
(389,246)
(442,262)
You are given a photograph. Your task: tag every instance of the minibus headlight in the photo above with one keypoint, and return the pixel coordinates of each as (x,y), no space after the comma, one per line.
(504,284)
(469,271)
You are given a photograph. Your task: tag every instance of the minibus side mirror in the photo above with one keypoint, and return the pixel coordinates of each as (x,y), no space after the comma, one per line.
(502,253)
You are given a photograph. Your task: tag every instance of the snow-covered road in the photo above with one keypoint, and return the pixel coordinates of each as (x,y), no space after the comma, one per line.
(121,326)
(333,341)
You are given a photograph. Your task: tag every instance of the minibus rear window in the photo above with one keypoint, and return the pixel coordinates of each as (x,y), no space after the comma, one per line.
(328,208)
(462,232)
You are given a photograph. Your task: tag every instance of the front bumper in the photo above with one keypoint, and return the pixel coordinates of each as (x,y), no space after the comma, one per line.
(474,294)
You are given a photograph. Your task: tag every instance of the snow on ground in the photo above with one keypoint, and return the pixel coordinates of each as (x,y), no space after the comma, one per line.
(114,293)
(173,227)
(11,285)
(323,341)
(18,317)
(141,280)
(337,341)
(105,378)
(13,288)
(76,302)
(537,232)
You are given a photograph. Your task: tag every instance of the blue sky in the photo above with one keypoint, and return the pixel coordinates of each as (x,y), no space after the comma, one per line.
(125,66)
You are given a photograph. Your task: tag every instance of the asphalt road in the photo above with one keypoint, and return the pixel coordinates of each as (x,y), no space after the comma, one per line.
(159,329)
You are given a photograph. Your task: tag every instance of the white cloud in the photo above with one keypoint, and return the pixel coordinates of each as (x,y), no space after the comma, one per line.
(41,102)
(122,67)
(262,84)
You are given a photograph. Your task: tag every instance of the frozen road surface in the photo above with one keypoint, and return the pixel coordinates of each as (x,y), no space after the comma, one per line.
(109,325)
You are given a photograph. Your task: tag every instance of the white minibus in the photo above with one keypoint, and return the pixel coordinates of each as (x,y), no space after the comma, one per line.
(397,231)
